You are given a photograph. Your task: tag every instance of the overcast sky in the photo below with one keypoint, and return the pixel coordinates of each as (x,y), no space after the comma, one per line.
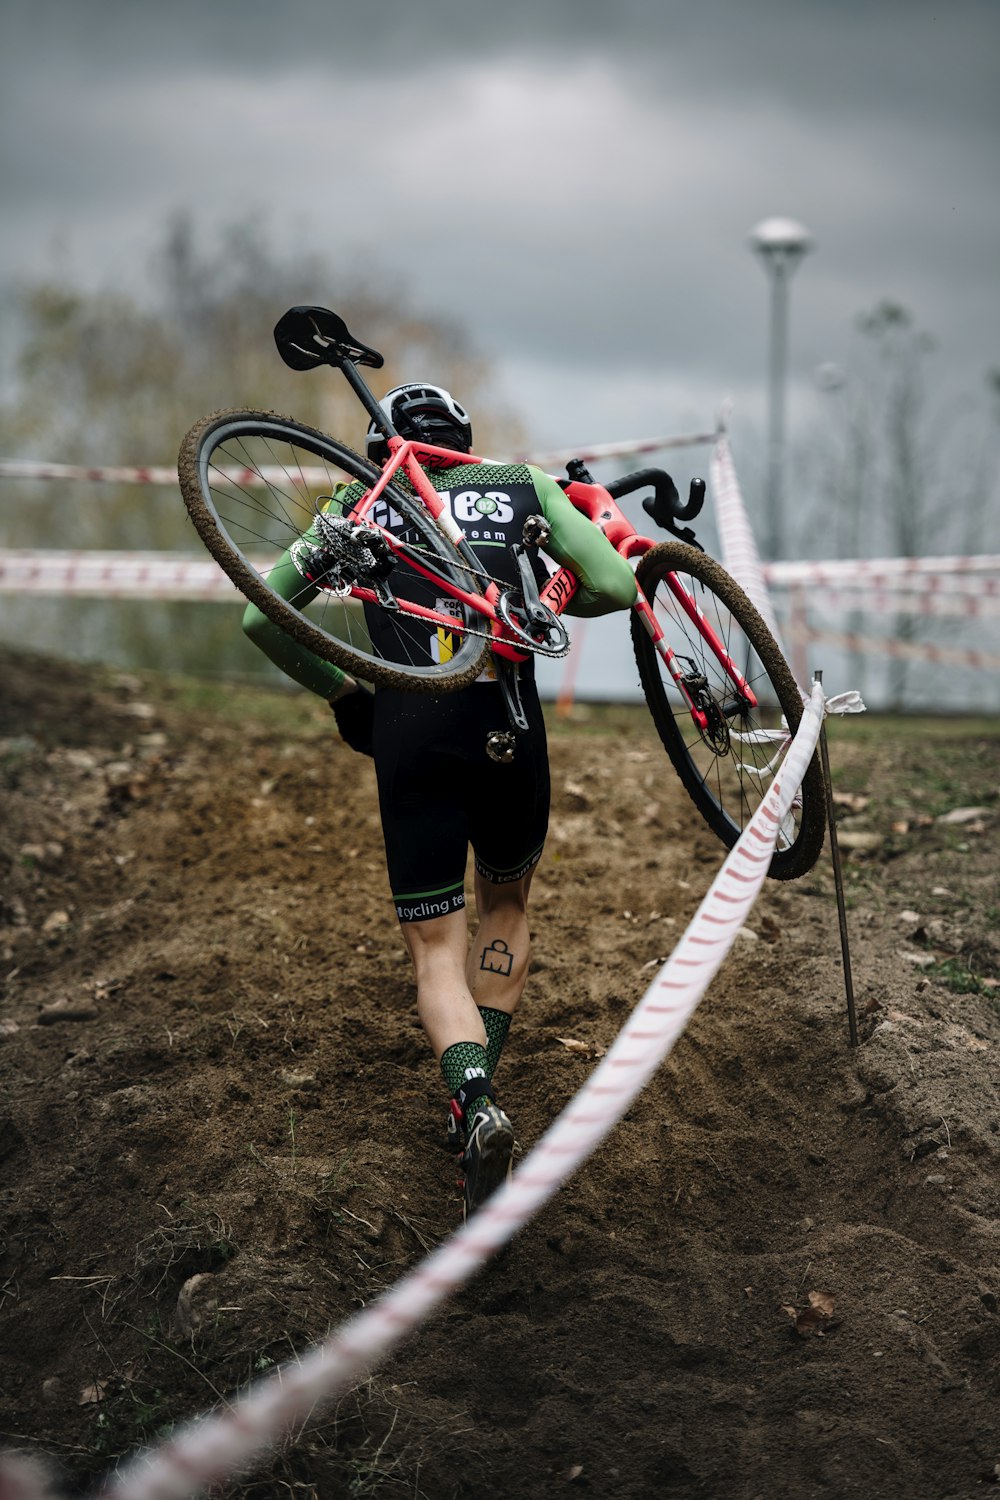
(572,181)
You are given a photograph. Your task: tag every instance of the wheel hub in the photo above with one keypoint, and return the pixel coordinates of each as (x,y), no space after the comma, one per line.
(716,731)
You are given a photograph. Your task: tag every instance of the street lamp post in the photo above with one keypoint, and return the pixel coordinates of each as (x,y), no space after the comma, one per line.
(781,244)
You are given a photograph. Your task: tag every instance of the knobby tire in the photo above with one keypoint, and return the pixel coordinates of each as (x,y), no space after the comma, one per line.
(724,796)
(228,520)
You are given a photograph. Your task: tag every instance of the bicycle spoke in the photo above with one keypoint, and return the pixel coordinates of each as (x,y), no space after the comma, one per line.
(266,495)
(728,749)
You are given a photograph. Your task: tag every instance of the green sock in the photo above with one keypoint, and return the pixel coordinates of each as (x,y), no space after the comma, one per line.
(462,1062)
(497,1023)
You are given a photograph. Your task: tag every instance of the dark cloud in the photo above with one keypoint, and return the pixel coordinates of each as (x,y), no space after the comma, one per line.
(573,180)
(832,55)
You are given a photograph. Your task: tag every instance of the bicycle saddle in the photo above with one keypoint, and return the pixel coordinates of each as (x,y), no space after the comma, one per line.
(311,336)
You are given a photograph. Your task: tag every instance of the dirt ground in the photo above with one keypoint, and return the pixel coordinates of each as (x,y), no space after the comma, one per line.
(211,1068)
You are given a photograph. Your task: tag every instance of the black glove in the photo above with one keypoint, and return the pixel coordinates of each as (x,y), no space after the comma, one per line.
(355,714)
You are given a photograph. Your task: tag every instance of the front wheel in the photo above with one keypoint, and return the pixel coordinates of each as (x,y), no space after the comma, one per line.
(272,501)
(726,761)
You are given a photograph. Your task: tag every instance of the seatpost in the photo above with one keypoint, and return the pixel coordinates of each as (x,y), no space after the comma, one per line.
(359,386)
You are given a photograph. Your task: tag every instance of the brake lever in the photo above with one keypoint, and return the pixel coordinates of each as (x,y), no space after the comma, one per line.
(667,522)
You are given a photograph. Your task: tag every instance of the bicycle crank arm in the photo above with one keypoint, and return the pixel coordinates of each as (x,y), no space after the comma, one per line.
(538,617)
(510,686)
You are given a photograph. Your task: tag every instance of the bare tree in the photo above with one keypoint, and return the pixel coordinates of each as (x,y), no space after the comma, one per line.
(106,378)
(906,472)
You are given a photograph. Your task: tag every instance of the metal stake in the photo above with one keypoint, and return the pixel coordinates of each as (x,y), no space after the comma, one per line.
(838,880)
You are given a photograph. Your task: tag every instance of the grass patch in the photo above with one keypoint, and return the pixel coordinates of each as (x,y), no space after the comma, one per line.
(957,975)
(910,729)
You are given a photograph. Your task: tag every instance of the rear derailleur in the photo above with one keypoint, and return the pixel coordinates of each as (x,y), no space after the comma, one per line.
(346,553)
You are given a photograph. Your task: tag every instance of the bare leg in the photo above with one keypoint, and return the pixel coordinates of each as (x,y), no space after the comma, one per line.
(452,979)
(497,964)
(445,1006)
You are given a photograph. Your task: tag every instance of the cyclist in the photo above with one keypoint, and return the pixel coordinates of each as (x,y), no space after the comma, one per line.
(439,791)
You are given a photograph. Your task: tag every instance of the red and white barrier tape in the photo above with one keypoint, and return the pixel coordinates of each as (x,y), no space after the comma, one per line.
(960,604)
(936,586)
(865,572)
(951,656)
(29,469)
(246,478)
(115,575)
(739,550)
(207,1451)
(593,454)
(172,575)
(162,475)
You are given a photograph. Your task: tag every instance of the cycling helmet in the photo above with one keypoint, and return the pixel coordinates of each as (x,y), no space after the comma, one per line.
(428,413)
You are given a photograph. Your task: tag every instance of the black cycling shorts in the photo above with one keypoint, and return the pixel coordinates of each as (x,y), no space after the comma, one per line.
(439,792)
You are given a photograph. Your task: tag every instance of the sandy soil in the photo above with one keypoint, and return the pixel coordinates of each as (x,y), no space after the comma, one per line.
(211,1068)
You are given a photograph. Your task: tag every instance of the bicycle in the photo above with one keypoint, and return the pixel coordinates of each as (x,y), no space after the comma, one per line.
(370,545)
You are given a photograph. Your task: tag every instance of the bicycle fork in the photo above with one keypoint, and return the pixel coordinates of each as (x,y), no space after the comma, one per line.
(687,683)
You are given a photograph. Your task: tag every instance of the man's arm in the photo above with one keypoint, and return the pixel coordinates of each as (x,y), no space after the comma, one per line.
(352,705)
(606,580)
(303,666)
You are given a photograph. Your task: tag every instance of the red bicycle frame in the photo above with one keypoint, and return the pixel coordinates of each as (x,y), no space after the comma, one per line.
(593,501)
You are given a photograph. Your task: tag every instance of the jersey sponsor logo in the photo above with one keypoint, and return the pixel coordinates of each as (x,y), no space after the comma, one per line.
(444,642)
(384,515)
(559,590)
(471,505)
(421,911)
(466,507)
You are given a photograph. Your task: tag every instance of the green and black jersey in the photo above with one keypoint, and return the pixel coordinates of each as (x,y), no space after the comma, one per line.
(490,502)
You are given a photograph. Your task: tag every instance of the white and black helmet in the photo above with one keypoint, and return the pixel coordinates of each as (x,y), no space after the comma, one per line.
(428,413)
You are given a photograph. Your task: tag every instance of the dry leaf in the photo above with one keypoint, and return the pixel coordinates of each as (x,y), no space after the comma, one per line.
(189,1316)
(856,801)
(589,1049)
(862,842)
(91,1394)
(295,1080)
(963,815)
(574,1472)
(822,1302)
(813,1319)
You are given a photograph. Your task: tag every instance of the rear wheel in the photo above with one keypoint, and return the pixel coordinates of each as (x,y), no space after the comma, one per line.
(727,766)
(255,483)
